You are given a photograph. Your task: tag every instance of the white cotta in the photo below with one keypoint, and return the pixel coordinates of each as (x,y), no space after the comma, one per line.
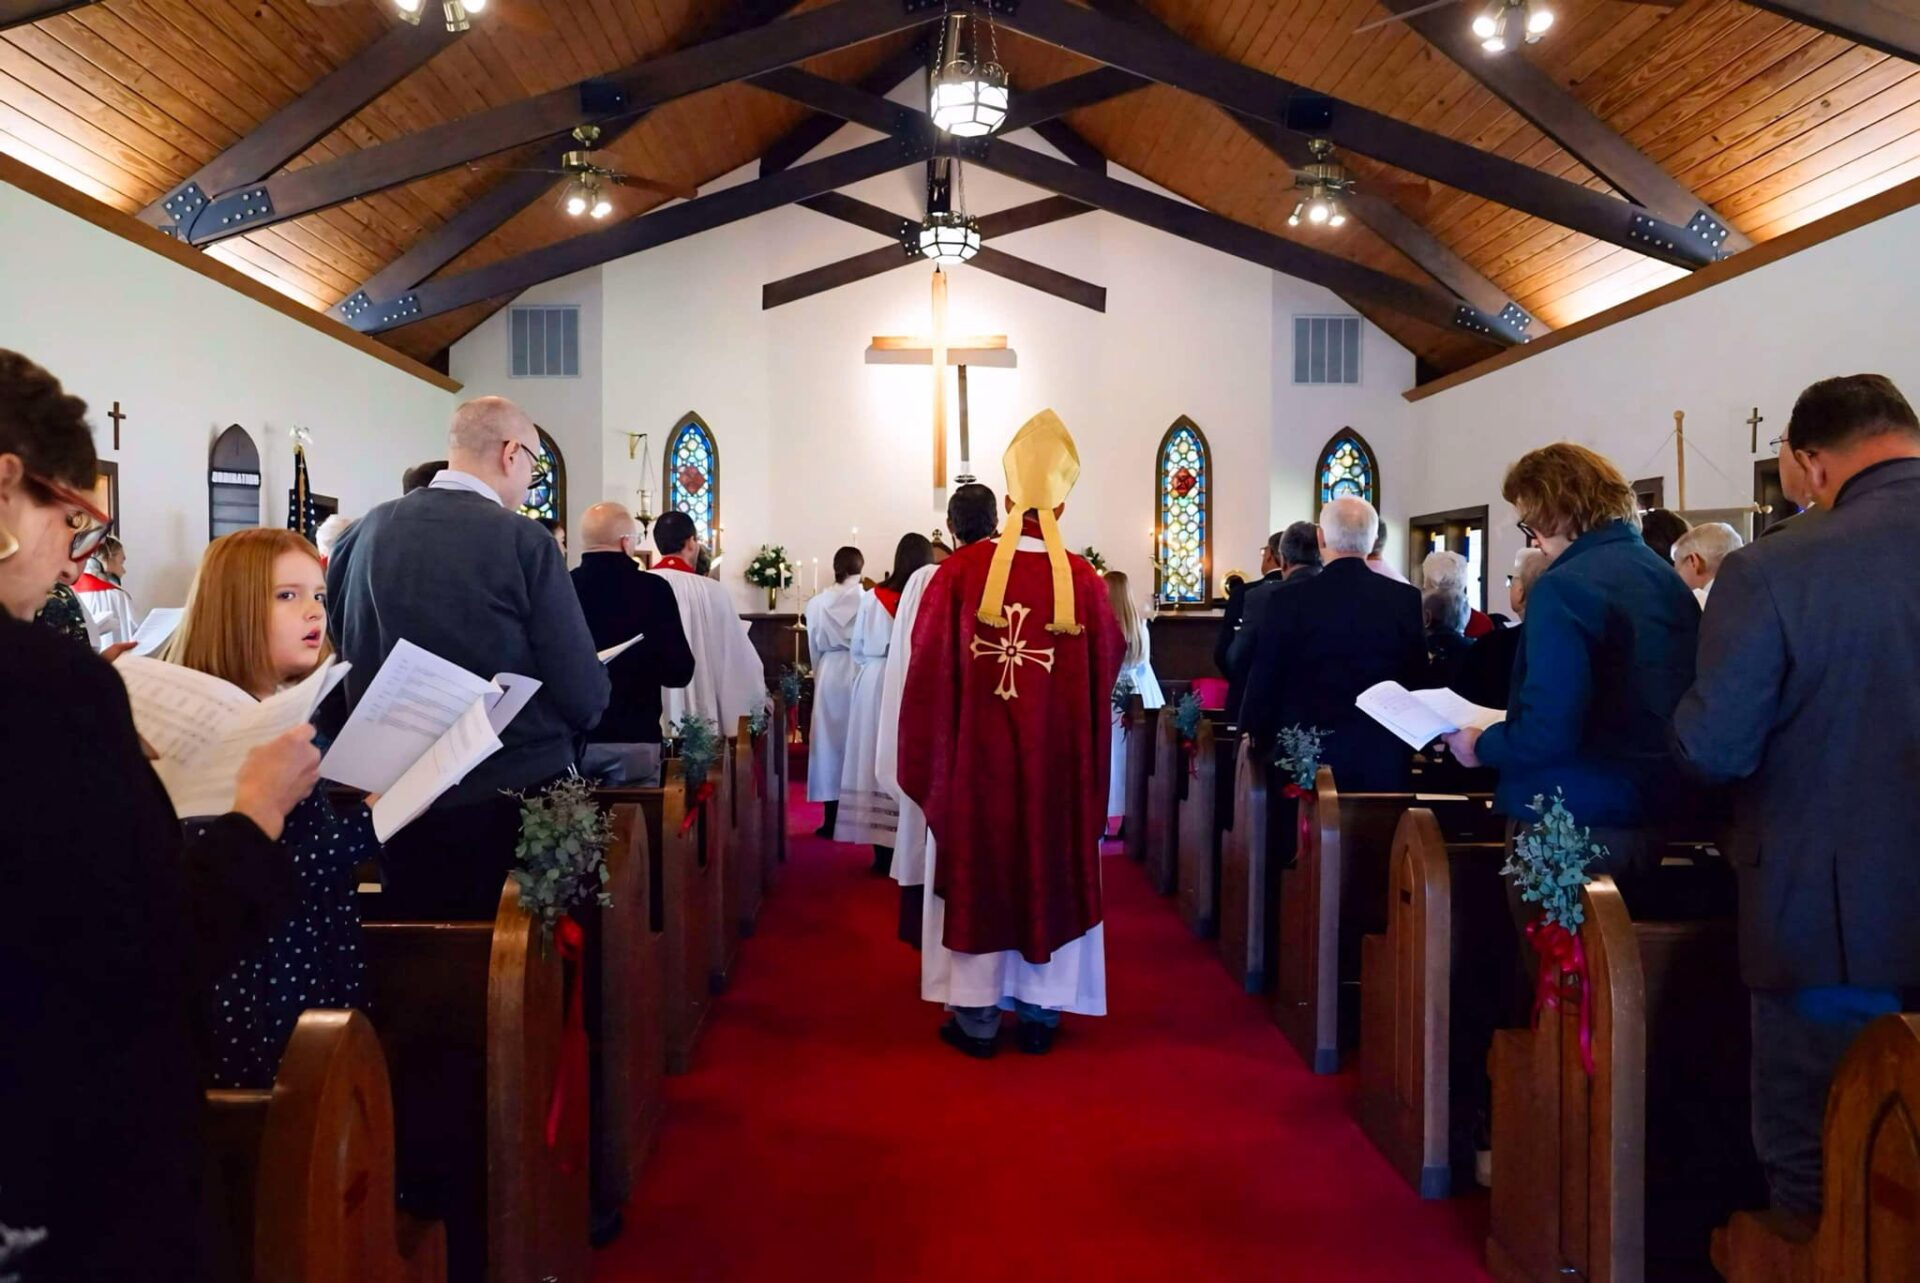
(109,614)
(1147,686)
(729,682)
(1074,979)
(868,813)
(910,846)
(830,617)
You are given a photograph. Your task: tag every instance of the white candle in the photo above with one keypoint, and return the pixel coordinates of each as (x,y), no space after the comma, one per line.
(816,574)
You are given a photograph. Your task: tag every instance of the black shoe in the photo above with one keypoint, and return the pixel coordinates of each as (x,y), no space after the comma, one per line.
(824,831)
(1034,1038)
(966,1044)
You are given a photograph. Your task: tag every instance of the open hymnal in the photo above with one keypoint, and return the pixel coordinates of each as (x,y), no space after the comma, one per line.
(156,628)
(1421,717)
(614,652)
(422,724)
(202,728)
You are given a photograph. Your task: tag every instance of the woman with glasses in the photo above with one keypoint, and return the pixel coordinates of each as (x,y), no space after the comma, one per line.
(1608,652)
(111,929)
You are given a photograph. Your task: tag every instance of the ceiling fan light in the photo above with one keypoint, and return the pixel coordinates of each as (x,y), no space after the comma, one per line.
(1337,217)
(474,6)
(601,207)
(409,10)
(576,204)
(1317,212)
(1495,45)
(1538,20)
(1485,27)
(1293,219)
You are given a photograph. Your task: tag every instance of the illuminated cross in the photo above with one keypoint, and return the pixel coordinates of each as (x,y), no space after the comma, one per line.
(939,350)
(1012,652)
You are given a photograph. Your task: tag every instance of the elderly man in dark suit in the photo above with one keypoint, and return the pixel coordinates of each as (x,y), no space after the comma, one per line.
(1294,554)
(1808,698)
(1330,638)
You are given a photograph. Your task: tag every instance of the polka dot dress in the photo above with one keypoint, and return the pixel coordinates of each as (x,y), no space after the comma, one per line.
(311,961)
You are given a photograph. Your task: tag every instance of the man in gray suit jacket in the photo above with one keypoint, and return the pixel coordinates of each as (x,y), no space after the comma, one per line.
(1807,698)
(1295,554)
(455,569)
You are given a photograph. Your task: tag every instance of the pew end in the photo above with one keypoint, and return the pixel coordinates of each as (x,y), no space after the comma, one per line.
(1140,727)
(682,901)
(1244,870)
(630,956)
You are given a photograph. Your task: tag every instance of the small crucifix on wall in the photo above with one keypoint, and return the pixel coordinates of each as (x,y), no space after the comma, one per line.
(939,350)
(1753,425)
(117,418)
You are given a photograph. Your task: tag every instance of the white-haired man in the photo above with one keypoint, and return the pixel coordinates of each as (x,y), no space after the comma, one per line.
(1449,570)
(1343,630)
(455,569)
(1486,674)
(1698,553)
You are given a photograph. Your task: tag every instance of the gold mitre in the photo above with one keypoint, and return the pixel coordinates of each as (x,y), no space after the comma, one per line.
(1041,465)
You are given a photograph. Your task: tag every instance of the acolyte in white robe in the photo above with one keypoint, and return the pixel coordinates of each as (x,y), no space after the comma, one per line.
(868,813)
(1073,980)
(109,614)
(729,681)
(912,841)
(1147,686)
(830,615)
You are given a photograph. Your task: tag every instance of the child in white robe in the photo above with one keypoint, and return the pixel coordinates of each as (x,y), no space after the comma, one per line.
(869,813)
(1136,676)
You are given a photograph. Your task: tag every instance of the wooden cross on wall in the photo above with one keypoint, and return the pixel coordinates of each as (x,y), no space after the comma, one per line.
(1753,425)
(117,417)
(939,350)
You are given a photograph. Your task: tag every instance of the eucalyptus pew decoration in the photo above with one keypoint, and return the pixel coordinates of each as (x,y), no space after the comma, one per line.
(699,744)
(793,688)
(1123,692)
(1299,756)
(757,725)
(1094,559)
(1550,865)
(1186,727)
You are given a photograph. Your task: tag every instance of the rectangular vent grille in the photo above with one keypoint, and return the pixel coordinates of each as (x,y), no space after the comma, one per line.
(546,342)
(1326,349)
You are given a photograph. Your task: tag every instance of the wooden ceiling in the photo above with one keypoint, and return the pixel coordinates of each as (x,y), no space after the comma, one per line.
(1769,122)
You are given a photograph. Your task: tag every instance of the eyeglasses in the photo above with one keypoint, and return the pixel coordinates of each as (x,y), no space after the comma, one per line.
(1777,441)
(1528,532)
(90,526)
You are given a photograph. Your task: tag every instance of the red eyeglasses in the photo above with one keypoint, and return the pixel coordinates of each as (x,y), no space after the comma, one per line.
(90,525)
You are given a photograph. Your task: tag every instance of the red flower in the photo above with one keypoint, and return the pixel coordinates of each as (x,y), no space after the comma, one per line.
(1183,482)
(692,480)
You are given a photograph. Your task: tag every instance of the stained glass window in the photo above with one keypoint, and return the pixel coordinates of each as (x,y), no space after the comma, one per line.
(1183,529)
(693,475)
(1347,468)
(547,492)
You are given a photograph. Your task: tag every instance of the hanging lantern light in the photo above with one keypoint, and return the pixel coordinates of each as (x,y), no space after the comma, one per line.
(949,237)
(970,91)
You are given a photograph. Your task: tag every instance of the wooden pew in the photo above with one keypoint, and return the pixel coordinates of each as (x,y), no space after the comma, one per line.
(780,771)
(749,837)
(1142,724)
(717,836)
(304,1170)
(1166,789)
(681,901)
(1245,871)
(1335,894)
(1869,1227)
(470,1016)
(1602,1177)
(1430,987)
(627,1002)
(1204,815)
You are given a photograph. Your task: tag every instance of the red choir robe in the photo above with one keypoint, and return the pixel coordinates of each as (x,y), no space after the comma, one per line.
(1004,744)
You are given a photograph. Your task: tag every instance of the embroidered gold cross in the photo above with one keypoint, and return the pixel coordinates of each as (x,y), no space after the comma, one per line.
(1012,652)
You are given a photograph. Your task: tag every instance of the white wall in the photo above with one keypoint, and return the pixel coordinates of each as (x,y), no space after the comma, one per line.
(185,356)
(568,408)
(815,442)
(1840,307)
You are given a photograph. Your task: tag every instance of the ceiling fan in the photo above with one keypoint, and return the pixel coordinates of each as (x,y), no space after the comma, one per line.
(520,14)
(1499,26)
(586,194)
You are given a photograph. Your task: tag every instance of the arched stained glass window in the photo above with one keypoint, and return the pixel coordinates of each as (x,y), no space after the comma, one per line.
(547,492)
(693,475)
(1183,525)
(1347,468)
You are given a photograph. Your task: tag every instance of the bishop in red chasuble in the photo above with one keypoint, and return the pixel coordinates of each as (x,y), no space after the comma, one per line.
(1003,741)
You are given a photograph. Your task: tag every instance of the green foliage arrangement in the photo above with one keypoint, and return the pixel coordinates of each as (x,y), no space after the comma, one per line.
(699,742)
(1122,692)
(1094,559)
(1552,860)
(770,568)
(757,724)
(793,684)
(1186,718)
(1299,756)
(562,852)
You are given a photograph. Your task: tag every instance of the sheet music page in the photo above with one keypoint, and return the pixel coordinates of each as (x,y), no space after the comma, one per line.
(413,700)
(180,712)
(515,691)
(1420,717)
(614,652)
(467,743)
(204,783)
(1461,712)
(159,625)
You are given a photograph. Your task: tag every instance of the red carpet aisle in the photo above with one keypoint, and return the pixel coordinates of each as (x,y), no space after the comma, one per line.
(826,1134)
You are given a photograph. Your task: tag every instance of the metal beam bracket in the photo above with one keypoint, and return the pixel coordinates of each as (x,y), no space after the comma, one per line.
(233,212)
(1711,231)
(1474,321)
(915,145)
(182,206)
(353,306)
(1648,230)
(1516,320)
(368,316)
(996,7)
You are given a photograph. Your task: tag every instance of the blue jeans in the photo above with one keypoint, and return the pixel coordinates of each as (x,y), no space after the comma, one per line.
(1799,1038)
(984,1022)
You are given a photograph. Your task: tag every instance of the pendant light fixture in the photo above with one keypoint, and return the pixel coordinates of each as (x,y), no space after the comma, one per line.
(949,235)
(970,91)
(1323,186)
(1507,24)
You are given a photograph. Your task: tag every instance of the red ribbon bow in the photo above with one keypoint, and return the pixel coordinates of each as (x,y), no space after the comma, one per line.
(1560,955)
(1306,821)
(572,943)
(1187,748)
(700,796)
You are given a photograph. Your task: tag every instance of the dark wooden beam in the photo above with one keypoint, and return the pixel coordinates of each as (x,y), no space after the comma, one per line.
(302,122)
(1163,57)
(513,193)
(17,13)
(662,226)
(820,126)
(1045,279)
(846,271)
(1036,106)
(1565,119)
(1204,227)
(623,94)
(1877,24)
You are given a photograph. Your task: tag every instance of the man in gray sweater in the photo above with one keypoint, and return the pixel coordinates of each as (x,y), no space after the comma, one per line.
(456,570)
